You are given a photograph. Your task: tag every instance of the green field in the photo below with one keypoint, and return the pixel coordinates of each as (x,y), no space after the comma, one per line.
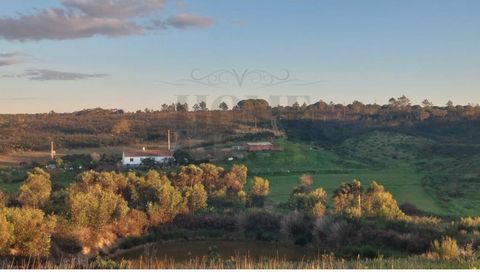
(387,158)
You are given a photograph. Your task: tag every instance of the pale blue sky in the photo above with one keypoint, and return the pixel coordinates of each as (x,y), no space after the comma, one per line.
(340,50)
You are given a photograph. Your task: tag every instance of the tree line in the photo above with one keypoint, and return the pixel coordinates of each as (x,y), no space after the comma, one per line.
(100,127)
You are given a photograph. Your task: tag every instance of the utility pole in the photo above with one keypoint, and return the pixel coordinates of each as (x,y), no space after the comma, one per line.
(169,147)
(52,151)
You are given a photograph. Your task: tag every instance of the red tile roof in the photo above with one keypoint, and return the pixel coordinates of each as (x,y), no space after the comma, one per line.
(149,153)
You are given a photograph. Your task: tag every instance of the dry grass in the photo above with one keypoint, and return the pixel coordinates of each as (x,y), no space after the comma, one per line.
(243,262)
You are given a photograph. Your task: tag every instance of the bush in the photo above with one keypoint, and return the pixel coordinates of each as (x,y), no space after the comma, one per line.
(298,228)
(332,231)
(207,221)
(470,224)
(101,263)
(263,226)
(410,209)
(445,249)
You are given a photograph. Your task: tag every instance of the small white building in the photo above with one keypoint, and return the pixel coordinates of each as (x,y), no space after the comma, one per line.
(136,158)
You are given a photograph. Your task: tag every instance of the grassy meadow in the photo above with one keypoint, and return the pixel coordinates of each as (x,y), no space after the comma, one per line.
(389,158)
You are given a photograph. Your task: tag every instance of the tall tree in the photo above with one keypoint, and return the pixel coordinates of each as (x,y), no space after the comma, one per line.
(195,197)
(168,206)
(347,200)
(36,189)
(259,191)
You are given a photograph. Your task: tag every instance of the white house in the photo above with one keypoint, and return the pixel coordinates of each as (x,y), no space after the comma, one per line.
(135,158)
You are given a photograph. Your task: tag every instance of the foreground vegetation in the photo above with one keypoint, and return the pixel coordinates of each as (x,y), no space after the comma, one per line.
(103,212)
(246,262)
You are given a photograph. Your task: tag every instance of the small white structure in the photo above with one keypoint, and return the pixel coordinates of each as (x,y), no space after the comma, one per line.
(136,158)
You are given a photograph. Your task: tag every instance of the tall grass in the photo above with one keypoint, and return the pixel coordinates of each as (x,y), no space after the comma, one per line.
(243,262)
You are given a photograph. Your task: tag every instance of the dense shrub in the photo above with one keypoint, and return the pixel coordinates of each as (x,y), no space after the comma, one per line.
(262,225)
(338,232)
(332,232)
(206,221)
(409,209)
(469,224)
(297,227)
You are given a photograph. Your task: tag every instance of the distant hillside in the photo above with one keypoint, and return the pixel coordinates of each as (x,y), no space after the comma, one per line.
(100,127)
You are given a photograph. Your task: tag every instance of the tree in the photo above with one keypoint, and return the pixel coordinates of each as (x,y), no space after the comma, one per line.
(196,107)
(319,201)
(259,191)
(403,101)
(305,199)
(223,106)
(203,106)
(450,104)
(211,177)
(4,199)
(164,108)
(296,106)
(188,176)
(235,179)
(357,106)
(253,105)
(36,189)
(96,208)
(168,206)
(6,233)
(133,224)
(196,197)
(379,203)
(427,104)
(347,200)
(109,181)
(32,231)
(181,107)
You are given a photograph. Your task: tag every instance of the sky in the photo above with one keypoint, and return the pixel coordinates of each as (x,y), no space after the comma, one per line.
(69,55)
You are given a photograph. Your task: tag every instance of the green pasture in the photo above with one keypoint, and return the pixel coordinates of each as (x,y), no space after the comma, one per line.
(383,157)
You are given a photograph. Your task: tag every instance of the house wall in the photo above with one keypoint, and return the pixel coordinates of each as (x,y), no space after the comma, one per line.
(138,160)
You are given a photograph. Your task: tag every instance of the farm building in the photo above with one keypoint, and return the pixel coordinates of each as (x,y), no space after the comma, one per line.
(259,146)
(135,158)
